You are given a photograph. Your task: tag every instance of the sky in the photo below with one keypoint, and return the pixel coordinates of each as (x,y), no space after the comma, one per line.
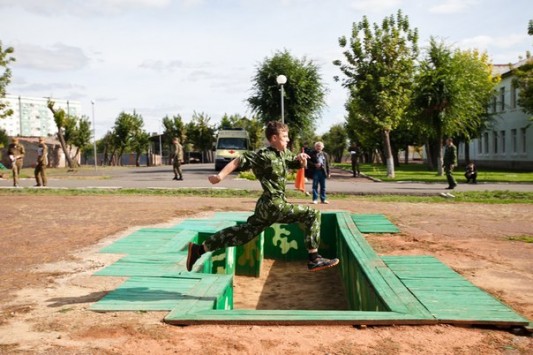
(168,57)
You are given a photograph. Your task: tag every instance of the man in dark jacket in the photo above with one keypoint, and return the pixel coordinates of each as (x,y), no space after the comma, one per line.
(449,161)
(320,165)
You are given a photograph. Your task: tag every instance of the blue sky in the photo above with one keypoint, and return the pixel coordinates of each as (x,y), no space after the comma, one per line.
(168,57)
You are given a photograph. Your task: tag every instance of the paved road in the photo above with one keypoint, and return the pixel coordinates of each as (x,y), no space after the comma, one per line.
(195,176)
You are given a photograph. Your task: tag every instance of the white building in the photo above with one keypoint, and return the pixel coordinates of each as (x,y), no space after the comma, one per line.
(508,143)
(31,116)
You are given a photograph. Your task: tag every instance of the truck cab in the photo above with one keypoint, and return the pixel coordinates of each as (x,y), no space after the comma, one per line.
(231,143)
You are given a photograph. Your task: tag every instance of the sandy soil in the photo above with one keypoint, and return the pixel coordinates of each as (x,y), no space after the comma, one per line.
(50,251)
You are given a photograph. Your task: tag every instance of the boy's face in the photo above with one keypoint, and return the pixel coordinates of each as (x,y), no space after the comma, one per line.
(280,141)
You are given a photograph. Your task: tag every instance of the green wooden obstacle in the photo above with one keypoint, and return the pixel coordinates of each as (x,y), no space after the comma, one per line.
(380,290)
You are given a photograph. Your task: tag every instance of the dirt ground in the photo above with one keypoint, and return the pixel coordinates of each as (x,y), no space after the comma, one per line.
(50,250)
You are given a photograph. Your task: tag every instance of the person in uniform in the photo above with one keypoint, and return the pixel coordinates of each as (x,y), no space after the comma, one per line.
(355,154)
(177,158)
(270,165)
(320,164)
(471,173)
(16,155)
(449,161)
(42,163)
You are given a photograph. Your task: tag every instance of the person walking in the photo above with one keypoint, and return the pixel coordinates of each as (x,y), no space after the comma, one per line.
(355,154)
(270,165)
(42,163)
(320,164)
(177,159)
(16,155)
(449,162)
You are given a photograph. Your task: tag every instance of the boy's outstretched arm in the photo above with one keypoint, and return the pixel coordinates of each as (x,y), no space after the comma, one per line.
(228,169)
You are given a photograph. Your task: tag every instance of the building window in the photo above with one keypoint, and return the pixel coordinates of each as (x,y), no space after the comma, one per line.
(495,141)
(502,136)
(486,143)
(480,145)
(514,141)
(494,104)
(502,98)
(513,95)
(523,139)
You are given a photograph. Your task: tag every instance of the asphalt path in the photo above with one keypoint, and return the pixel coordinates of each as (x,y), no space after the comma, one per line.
(196,176)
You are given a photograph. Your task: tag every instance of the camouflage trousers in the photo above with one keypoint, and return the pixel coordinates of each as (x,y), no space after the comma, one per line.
(267,212)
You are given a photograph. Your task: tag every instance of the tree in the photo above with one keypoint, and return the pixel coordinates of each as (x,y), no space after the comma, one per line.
(201,134)
(523,80)
(174,128)
(139,144)
(77,133)
(379,69)
(61,119)
(335,141)
(304,91)
(125,129)
(452,89)
(5,77)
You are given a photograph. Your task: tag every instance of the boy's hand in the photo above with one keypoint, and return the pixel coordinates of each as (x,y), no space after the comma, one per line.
(215,179)
(302,157)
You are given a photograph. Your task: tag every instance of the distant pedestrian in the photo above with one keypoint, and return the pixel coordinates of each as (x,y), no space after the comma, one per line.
(449,162)
(42,163)
(16,155)
(471,173)
(320,165)
(355,156)
(177,159)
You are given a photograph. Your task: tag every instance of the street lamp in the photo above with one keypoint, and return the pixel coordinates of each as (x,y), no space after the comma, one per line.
(94,137)
(281,80)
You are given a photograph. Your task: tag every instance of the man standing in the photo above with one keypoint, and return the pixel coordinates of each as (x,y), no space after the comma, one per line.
(42,163)
(320,163)
(449,162)
(355,153)
(16,154)
(177,159)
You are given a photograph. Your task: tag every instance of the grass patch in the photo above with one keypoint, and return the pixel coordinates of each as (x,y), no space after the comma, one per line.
(522,238)
(420,173)
(487,197)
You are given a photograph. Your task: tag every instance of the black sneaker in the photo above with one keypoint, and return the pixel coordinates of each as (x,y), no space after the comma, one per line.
(193,255)
(321,263)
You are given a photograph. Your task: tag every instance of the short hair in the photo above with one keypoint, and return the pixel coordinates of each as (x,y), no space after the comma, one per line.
(274,128)
(320,144)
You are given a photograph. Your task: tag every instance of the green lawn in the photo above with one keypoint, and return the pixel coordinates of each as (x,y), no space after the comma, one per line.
(419,172)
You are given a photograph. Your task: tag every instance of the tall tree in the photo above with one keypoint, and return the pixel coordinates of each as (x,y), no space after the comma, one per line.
(5,77)
(61,120)
(77,134)
(523,79)
(452,89)
(201,134)
(125,128)
(335,141)
(174,127)
(304,91)
(379,69)
(139,144)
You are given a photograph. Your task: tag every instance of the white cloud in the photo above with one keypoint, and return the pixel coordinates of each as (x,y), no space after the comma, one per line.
(58,57)
(452,6)
(375,6)
(484,42)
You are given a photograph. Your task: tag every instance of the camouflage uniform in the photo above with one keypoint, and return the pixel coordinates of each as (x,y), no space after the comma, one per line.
(42,162)
(449,161)
(176,161)
(270,166)
(16,151)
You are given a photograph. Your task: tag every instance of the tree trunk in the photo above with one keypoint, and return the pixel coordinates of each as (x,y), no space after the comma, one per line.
(388,154)
(467,152)
(406,155)
(64,148)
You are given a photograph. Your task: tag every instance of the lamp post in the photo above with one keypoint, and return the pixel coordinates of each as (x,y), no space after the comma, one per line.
(281,80)
(94,138)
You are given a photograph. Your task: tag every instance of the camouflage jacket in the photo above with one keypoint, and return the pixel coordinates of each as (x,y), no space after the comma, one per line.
(270,166)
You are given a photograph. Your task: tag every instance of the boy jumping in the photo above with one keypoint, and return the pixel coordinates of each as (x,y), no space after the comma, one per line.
(270,166)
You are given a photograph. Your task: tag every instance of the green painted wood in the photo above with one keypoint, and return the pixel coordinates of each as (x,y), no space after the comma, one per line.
(292,317)
(374,223)
(143,241)
(449,296)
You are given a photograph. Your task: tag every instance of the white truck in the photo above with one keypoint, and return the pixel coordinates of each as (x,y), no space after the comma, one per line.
(231,143)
